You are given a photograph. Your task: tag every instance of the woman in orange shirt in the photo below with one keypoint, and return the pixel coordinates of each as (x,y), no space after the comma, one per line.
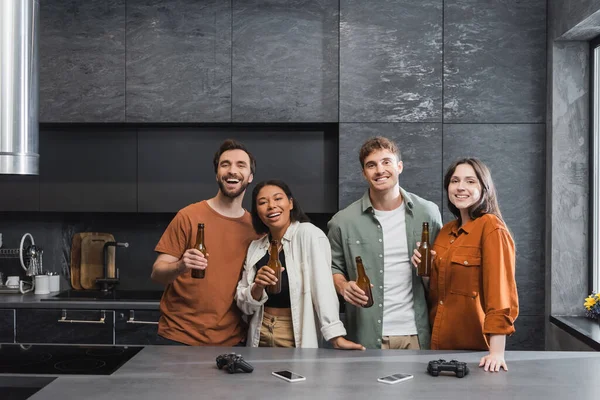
(473,294)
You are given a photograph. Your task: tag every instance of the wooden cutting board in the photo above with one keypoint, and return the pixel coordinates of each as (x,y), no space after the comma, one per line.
(76,258)
(92,259)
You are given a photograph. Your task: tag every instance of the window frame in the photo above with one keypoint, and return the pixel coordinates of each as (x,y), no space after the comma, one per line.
(594,167)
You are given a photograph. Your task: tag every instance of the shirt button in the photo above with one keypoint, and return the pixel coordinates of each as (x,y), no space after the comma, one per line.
(358,242)
(379,340)
(466,262)
(378,321)
(381,271)
(380,287)
(380,240)
(381,255)
(441,302)
(378,226)
(381,305)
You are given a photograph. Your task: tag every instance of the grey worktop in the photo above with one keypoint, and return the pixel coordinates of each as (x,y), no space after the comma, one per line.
(30,300)
(173,372)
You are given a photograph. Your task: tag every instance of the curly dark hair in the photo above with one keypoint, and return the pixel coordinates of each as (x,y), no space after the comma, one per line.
(296,214)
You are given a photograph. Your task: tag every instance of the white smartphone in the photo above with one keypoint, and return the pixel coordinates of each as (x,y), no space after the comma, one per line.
(396,378)
(289,376)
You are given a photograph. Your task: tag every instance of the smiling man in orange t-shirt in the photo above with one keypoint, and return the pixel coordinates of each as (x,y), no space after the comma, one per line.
(203,311)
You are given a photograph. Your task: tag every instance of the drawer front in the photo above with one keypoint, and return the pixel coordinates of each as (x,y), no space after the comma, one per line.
(65,326)
(7,326)
(136,326)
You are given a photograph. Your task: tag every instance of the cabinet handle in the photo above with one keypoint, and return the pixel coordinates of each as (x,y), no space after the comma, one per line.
(82,321)
(132,320)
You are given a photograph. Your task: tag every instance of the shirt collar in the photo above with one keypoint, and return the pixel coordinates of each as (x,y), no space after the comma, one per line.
(368,207)
(466,228)
(287,237)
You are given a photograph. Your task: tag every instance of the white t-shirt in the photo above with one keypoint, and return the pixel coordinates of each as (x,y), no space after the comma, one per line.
(398,307)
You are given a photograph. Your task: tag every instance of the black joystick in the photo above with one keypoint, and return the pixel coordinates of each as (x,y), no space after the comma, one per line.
(233,363)
(459,368)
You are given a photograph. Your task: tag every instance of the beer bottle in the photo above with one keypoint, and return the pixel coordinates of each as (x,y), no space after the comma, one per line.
(424,268)
(275,265)
(363,282)
(199,273)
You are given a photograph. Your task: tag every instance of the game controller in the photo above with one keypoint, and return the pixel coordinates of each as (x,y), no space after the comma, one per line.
(233,363)
(436,366)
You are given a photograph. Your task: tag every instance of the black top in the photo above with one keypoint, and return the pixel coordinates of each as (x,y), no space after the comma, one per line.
(282,299)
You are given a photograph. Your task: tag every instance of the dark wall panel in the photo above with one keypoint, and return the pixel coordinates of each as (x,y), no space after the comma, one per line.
(285,61)
(178,61)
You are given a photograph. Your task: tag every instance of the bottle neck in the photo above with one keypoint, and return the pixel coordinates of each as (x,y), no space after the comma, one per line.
(274,252)
(425,236)
(360,269)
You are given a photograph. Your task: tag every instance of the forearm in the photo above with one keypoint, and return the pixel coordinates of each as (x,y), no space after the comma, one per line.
(339,281)
(257,292)
(166,272)
(497,344)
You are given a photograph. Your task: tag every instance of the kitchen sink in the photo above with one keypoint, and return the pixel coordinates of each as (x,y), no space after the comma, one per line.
(111,295)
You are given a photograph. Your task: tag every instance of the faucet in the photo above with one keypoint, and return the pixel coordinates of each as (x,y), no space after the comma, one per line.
(107,282)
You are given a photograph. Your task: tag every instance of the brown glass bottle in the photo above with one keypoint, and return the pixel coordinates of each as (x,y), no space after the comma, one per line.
(363,282)
(275,265)
(199,273)
(424,268)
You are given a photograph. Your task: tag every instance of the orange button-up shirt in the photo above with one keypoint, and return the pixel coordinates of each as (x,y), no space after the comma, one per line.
(472,292)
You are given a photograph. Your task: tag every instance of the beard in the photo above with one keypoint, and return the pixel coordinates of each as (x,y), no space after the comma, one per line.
(235,193)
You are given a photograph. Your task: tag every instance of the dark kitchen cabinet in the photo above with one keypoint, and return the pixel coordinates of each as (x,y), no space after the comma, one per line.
(82,61)
(136,327)
(178,61)
(285,61)
(65,326)
(7,326)
(92,169)
(303,155)
(19,193)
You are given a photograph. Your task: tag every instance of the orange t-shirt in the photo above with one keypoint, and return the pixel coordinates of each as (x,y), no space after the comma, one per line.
(472,292)
(203,311)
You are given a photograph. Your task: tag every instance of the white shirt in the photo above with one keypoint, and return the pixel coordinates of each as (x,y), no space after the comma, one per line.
(313,298)
(398,310)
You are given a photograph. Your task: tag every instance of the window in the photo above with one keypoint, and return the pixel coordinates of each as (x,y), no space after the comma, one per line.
(595,167)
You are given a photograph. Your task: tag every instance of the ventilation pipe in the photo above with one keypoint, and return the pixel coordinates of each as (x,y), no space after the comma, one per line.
(19,88)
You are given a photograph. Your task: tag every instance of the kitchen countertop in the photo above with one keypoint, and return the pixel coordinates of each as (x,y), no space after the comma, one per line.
(174,372)
(30,300)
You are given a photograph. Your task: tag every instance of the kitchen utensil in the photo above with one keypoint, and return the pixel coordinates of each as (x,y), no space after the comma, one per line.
(42,284)
(76,259)
(92,259)
(54,282)
(26,286)
(12,282)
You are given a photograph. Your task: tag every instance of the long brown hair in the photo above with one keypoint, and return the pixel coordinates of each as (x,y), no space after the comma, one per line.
(488,202)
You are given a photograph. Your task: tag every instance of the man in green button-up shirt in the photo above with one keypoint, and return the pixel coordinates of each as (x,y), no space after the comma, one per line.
(383,228)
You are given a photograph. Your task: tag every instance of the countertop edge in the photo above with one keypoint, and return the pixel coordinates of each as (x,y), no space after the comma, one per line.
(581,328)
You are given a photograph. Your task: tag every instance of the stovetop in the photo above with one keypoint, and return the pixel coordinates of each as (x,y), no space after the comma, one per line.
(112,295)
(64,359)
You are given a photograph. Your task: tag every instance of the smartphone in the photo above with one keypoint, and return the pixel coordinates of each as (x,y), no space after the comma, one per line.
(396,378)
(289,376)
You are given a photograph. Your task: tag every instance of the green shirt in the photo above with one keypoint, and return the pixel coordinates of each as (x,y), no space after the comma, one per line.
(355,231)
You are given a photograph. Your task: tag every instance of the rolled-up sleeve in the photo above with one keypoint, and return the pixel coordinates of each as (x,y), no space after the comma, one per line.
(501,301)
(244,300)
(338,262)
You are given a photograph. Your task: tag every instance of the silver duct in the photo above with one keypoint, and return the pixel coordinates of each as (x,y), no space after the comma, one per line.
(19,89)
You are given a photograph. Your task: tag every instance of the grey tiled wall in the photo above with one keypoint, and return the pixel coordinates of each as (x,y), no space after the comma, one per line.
(178,61)
(285,63)
(492,91)
(82,61)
